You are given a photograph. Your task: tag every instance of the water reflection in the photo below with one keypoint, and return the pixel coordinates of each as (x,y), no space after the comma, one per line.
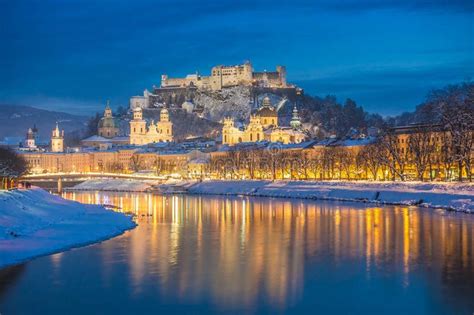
(212,254)
(243,250)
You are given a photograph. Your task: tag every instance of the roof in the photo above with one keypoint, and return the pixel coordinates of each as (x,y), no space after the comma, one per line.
(96,138)
(332,142)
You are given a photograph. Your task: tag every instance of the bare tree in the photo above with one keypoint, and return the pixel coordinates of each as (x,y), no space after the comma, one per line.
(136,163)
(369,156)
(393,155)
(421,146)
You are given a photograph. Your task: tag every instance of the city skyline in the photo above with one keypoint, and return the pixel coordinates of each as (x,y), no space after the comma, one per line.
(73,56)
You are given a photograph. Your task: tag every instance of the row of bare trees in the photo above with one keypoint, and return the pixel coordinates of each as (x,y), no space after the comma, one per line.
(426,153)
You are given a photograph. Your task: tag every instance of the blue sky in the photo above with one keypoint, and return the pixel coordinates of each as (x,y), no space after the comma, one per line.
(386,55)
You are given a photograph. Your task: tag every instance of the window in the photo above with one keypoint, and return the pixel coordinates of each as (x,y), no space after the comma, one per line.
(251,138)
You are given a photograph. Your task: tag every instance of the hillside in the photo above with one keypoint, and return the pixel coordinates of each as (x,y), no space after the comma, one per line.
(187,125)
(15,121)
(321,116)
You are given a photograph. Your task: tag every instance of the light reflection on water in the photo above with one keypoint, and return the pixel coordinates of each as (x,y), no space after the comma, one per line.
(211,254)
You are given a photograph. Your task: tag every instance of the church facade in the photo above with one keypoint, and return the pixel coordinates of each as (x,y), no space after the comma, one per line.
(142,133)
(263,126)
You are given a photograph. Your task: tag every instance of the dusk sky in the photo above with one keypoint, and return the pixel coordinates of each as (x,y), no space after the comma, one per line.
(386,55)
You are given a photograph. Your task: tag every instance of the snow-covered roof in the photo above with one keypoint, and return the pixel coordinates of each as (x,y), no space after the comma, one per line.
(96,138)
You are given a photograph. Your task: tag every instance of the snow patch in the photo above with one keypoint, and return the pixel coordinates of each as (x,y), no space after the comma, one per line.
(459,197)
(34,223)
(115,185)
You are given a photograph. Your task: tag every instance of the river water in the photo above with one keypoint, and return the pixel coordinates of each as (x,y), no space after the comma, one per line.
(207,254)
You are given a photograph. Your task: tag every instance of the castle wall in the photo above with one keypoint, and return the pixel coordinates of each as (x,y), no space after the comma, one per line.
(227,76)
(138,101)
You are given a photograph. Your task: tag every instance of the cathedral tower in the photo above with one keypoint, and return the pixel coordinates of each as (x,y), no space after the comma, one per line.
(165,126)
(30,139)
(137,127)
(57,140)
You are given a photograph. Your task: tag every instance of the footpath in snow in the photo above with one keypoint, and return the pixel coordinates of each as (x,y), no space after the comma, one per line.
(459,197)
(34,223)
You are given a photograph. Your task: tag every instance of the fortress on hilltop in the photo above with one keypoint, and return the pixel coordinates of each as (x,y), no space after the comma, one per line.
(176,91)
(228,76)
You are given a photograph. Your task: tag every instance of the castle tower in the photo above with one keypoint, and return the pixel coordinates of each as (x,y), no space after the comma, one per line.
(282,75)
(138,128)
(295,119)
(57,140)
(30,139)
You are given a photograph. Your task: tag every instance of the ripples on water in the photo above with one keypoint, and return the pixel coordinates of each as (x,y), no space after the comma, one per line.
(211,254)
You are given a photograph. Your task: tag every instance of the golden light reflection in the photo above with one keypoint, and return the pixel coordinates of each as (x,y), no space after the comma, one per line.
(241,249)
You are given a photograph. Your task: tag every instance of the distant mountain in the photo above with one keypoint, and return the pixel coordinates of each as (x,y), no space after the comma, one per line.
(15,121)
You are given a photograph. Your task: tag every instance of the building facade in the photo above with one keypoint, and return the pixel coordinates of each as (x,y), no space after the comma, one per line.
(263,126)
(143,133)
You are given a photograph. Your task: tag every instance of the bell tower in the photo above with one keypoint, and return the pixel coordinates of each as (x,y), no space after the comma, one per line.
(57,140)
(137,127)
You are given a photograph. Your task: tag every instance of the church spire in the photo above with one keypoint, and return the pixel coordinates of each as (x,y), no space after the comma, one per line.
(295,119)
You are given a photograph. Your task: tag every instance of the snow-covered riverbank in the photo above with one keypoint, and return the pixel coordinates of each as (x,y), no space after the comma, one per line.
(459,197)
(129,185)
(34,223)
(452,196)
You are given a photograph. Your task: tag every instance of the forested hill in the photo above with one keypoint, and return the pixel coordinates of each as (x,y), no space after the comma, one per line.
(15,120)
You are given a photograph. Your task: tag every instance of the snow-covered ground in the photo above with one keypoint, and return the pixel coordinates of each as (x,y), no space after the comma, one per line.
(453,196)
(34,223)
(115,185)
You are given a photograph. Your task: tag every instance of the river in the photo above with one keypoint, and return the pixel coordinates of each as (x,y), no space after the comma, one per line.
(208,254)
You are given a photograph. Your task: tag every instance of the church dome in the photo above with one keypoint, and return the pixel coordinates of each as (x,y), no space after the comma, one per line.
(266,109)
(108,122)
(266,102)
